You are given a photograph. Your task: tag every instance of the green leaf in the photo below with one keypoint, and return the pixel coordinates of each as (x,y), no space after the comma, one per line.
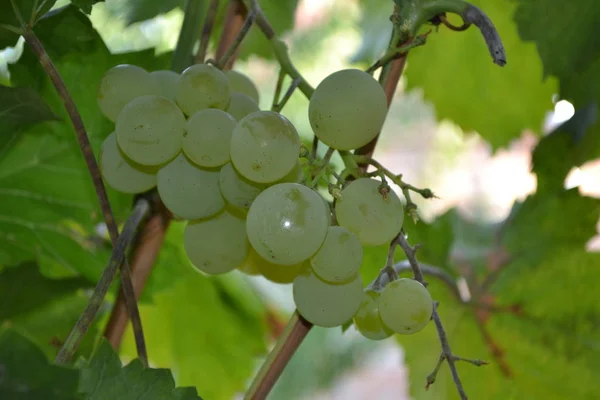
(14,14)
(27,375)
(457,75)
(376,31)
(50,210)
(105,378)
(190,326)
(141,10)
(85,5)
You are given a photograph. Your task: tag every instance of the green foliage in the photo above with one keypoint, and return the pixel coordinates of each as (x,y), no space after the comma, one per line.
(14,15)
(27,375)
(85,5)
(104,378)
(136,11)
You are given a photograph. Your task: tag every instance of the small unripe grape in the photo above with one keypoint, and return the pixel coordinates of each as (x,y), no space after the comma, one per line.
(405,306)
(367,319)
(241,83)
(202,86)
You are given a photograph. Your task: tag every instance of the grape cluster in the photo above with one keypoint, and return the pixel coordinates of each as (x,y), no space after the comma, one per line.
(236,174)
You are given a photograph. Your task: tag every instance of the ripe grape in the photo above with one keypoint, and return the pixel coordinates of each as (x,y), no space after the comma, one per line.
(295,175)
(367,319)
(120,85)
(241,105)
(339,258)
(325,304)
(264,146)
(202,86)
(168,82)
(282,274)
(347,109)
(188,191)
(149,130)
(123,174)
(237,190)
(376,219)
(207,137)
(218,244)
(405,306)
(287,223)
(242,84)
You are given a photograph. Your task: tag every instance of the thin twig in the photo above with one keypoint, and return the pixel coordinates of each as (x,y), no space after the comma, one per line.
(397,52)
(209,23)
(234,46)
(286,96)
(234,20)
(315,148)
(139,212)
(38,49)
(453,27)
(278,89)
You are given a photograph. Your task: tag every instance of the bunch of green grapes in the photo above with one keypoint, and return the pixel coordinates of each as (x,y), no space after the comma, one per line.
(234,173)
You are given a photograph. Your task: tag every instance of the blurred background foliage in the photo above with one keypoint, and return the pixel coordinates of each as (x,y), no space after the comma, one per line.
(515,224)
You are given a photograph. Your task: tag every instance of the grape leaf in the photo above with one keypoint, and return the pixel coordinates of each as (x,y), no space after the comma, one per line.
(85,5)
(44,184)
(14,14)
(105,378)
(376,31)
(457,75)
(26,374)
(190,326)
(141,10)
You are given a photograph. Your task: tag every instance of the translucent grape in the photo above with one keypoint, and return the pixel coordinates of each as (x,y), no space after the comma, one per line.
(282,274)
(295,175)
(405,306)
(207,137)
(242,84)
(287,223)
(218,244)
(149,130)
(120,85)
(237,190)
(202,86)
(325,304)
(367,319)
(363,210)
(241,105)
(123,174)
(168,82)
(347,109)
(189,191)
(264,146)
(339,258)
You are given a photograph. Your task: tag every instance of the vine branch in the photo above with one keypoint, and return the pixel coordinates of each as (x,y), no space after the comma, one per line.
(209,23)
(234,20)
(84,143)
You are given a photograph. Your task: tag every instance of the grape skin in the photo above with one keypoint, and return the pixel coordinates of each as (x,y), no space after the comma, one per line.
(405,306)
(241,105)
(120,85)
(188,191)
(282,274)
(237,190)
(149,130)
(202,86)
(363,210)
(168,82)
(339,258)
(216,245)
(207,137)
(367,319)
(287,223)
(240,83)
(324,304)
(122,174)
(347,109)
(264,146)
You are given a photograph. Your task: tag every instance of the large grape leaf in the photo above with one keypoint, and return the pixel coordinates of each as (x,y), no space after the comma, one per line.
(457,75)
(13,14)
(209,330)
(376,30)
(27,375)
(105,378)
(85,5)
(140,10)
(49,205)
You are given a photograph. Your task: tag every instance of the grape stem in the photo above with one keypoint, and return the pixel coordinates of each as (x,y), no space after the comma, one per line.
(209,23)
(315,173)
(278,89)
(286,96)
(138,214)
(86,149)
(234,46)
(234,20)
(395,52)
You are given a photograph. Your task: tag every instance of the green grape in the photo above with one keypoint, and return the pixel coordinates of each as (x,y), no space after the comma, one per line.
(325,304)
(295,175)
(405,306)
(216,245)
(207,137)
(122,174)
(150,129)
(363,210)
(264,146)
(282,274)
(120,85)
(237,190)
(188,191)
(248,266)
(367,319)
(168,82)
(241,105)
(242,84)
(347,109)
(287,223)
(202,86)
(339,258)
